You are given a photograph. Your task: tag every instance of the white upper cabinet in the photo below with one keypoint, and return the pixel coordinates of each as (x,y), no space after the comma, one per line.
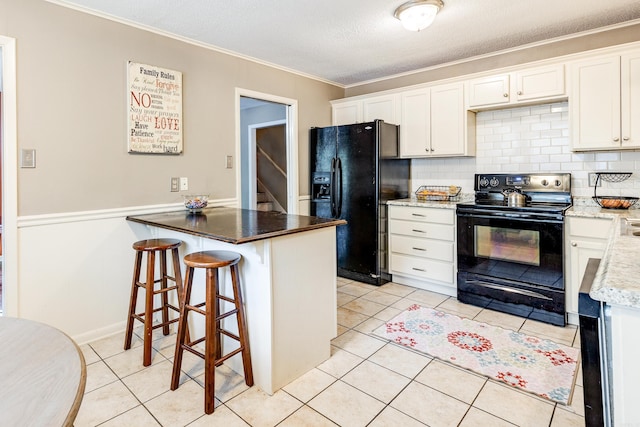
(630,100)
(346,112)
(605,103)
(415,126)
(434,122)
(385,107)
(450,132)
(492,90)
(524,86)
(539,83)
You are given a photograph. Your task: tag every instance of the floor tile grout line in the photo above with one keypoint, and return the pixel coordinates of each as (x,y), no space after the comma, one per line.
(368,334)
(553,403)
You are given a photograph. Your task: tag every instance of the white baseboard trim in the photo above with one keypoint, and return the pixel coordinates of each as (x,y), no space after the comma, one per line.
(427,286)
(97,334)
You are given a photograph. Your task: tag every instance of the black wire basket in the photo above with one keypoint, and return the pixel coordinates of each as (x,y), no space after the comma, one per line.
(613,202)
(438,192)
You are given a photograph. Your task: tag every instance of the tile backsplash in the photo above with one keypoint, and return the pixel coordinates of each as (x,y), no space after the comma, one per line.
(533,139)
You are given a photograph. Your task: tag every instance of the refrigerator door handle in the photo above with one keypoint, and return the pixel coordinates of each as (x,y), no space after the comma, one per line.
(339,187)
(333,188)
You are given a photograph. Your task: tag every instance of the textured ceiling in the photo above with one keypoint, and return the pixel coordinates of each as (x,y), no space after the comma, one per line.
(353,41)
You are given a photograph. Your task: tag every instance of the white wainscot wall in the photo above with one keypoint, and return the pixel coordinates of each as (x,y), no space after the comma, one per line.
(75,269)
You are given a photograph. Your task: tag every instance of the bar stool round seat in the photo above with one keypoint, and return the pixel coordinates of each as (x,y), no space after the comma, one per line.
(152,247)
(212,261)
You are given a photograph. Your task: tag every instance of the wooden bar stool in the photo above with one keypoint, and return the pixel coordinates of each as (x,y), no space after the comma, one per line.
(151,246)
(212,261)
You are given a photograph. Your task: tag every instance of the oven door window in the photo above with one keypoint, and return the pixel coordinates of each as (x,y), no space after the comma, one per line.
(507,244)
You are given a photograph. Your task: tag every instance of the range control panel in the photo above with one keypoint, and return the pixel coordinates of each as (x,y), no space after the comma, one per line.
(525,182)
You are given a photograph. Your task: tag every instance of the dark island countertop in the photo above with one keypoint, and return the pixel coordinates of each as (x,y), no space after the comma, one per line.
(233,225)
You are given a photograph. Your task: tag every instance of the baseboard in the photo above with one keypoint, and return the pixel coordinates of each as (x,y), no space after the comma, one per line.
(97,334)
(427,286)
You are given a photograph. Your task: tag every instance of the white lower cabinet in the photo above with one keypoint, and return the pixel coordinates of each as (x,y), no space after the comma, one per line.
(422,247)
(584,238)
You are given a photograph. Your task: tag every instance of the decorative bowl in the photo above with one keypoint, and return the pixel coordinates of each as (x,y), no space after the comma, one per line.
(196,202)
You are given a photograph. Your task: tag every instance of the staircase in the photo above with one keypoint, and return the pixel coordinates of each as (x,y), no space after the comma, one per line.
(271,172)
(265,200)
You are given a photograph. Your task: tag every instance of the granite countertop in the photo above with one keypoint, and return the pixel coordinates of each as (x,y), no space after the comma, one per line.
(414,202)
(233,225)
(617,280)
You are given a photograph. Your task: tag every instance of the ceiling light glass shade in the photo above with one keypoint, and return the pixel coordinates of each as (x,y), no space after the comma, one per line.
(417,15)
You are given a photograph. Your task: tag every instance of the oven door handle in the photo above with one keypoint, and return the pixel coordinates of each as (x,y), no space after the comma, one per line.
(508,289)
(514,216)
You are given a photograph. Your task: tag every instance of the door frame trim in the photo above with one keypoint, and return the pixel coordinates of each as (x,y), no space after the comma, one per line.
(9,178)
(291,141)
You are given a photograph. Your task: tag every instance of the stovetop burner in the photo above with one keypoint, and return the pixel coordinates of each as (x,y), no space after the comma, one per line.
(543,192)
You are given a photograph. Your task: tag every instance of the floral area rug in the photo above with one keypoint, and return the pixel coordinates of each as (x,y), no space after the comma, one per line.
(531,364)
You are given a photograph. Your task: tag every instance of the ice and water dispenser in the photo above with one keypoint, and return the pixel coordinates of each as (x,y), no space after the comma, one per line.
(321,185)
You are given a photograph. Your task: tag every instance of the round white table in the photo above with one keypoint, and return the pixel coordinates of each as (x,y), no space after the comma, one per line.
(42,375)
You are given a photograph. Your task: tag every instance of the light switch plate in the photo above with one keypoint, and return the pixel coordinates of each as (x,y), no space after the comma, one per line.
(229,164)
(28,158)
(184,183)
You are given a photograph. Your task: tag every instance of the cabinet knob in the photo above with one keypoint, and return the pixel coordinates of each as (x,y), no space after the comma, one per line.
(432,150)
(626,138)
(426,149)
(506,95)
(519,92)
(574,244)
(616,139)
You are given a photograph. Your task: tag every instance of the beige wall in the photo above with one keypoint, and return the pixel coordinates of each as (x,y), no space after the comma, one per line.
(71,73)
(559,48)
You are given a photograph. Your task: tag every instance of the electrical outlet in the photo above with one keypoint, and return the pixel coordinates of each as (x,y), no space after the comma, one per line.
(184,183)
(229,162)
(175,184)
(592,180)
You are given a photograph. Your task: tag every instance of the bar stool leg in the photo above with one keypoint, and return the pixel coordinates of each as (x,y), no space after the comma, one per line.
(212,343)
(148,310)
(133,299)
(177,275)
(181,338)
(242,326)
(165,295)
(218,353)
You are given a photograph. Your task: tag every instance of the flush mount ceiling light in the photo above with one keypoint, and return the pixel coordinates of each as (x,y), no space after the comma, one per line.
(416,15)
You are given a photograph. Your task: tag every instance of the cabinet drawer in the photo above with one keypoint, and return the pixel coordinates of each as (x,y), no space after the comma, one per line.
(422,267)
(440,216)
(596,228)
(422,230)
(424,248)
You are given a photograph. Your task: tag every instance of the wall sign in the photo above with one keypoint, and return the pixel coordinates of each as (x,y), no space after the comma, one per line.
(154,123)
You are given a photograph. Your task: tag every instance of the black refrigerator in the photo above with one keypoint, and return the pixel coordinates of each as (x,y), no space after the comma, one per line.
(355,169)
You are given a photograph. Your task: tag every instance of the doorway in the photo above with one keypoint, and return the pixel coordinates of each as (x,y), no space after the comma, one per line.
(268,151)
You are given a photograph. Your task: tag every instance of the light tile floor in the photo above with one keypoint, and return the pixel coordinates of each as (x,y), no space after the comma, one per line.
(366,382)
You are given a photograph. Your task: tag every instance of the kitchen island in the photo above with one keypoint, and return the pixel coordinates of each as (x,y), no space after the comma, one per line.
(616,284)
(288,279)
